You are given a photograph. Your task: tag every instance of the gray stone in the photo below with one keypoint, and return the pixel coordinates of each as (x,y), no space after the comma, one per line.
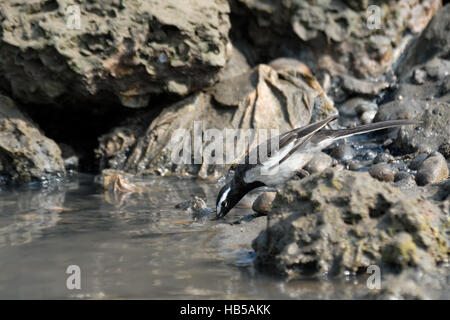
(123,53)
(261,98)
(405,181)
(428,102)
(419,76)
(26,154)
(382,172)
(444,149)
(417,161)
(383,157)
(368,116)
(338,221)
(333,35)
(263,203)
(319,163)
(433,170)
(343,152)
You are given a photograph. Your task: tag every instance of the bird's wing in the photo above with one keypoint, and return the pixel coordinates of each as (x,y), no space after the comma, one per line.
(324,138)
(304,134)
(286,141)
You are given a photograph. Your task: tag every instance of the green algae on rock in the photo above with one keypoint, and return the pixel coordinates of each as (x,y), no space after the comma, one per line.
(338,221)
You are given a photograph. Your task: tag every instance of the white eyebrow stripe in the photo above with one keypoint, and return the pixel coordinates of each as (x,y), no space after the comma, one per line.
(222,198)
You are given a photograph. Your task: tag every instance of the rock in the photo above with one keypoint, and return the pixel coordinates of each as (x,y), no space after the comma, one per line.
(334,36)
(368,116)
(402,175)
(119,53)
(259,99)
(70,157)
(412,285)
(432,43)
(419,76)
(433,170)
(404,181)
(343,152)
(443,192)
(338,221)
(263,203)
(370,155)
(427,102)
(383,157)
(444,149)
(365,107)
(362,87)
(236,66)
(417,161)
(351,106)
(290,64)
(401,251)
(319,163)
(382,172)
(26,154)
(196,207)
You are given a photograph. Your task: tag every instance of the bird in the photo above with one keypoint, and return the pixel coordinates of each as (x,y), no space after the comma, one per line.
(295,149)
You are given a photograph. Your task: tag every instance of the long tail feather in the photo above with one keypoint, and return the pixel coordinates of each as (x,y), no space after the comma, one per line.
(344,133)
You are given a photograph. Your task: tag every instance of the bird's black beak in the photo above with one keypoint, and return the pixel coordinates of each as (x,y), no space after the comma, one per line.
(222,213)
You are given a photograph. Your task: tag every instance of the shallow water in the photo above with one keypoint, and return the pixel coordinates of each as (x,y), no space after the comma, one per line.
(133,246)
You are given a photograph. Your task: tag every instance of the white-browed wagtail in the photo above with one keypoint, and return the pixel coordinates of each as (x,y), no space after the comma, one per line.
(295,149)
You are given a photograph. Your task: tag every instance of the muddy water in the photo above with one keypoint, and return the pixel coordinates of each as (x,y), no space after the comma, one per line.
(131,246)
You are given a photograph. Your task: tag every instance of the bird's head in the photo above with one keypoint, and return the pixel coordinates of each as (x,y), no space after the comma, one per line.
(226,200)
(230,195)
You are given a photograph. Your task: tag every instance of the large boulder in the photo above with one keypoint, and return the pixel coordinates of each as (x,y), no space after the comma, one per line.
(339,36)
(263,98)
(26,155)
(111,51)
(340,221)
(423,92)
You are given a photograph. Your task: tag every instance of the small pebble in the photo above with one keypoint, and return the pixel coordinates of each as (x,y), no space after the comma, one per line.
(402,175)
(433,170)
(354,165)
(417,161)
(343,152)
(319,163)
(383,157)
(444,149)
(369,155)
(387,142)
(419,76)
(364,107)
(368,116)
(263,204)
(382,172)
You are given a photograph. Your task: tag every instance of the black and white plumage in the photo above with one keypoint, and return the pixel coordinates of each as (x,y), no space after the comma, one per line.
(295,149)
